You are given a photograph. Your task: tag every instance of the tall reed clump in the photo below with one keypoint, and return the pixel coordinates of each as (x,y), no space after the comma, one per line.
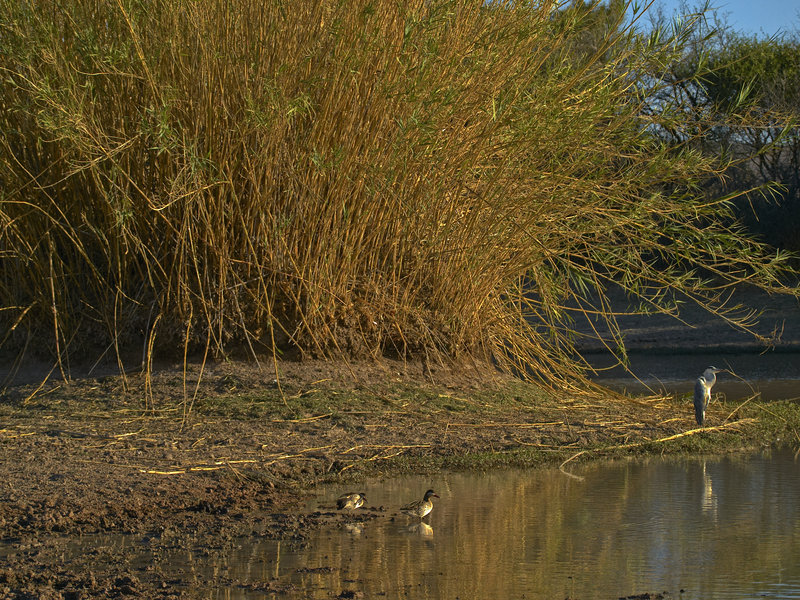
(343,178)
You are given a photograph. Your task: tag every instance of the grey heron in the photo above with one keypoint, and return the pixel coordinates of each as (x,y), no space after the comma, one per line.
(702,393)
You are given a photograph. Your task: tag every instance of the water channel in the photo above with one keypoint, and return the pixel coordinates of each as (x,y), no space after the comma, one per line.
(698,528)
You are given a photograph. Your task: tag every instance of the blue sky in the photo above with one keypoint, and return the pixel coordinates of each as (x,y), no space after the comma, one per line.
(752,17)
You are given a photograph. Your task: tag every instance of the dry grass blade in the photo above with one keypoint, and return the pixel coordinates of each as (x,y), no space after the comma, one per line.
(303,420)
(655,441)
(515,425)
(399,449)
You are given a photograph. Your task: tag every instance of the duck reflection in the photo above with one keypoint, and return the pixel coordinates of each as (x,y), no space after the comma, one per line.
(421,529)
(354,528)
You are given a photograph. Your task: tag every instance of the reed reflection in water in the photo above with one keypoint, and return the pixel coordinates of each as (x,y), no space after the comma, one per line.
(716,528)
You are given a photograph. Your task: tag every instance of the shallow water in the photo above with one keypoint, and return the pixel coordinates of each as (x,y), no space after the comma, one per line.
(715,528)
(721,528)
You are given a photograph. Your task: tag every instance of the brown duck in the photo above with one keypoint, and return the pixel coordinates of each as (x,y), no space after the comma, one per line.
(351,501)
(420,508)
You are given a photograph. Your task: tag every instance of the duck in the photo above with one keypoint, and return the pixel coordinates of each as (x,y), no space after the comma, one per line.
(420,508)
(351,501)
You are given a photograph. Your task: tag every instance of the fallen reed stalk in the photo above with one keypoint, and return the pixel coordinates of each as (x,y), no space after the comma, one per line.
(647,442)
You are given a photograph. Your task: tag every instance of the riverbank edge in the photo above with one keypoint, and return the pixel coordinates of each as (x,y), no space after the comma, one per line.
(196,458)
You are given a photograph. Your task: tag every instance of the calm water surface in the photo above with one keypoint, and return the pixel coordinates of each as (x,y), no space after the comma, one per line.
(772,375)
(721,528)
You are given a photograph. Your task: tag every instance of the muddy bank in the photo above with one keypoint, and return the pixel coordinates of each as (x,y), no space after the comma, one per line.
(193,466)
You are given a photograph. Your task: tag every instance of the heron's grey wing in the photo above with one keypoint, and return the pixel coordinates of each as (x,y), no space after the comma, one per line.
(700,400)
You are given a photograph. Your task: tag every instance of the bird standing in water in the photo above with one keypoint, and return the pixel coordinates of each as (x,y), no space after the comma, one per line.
(420,508)
(702,393)
(351,501)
